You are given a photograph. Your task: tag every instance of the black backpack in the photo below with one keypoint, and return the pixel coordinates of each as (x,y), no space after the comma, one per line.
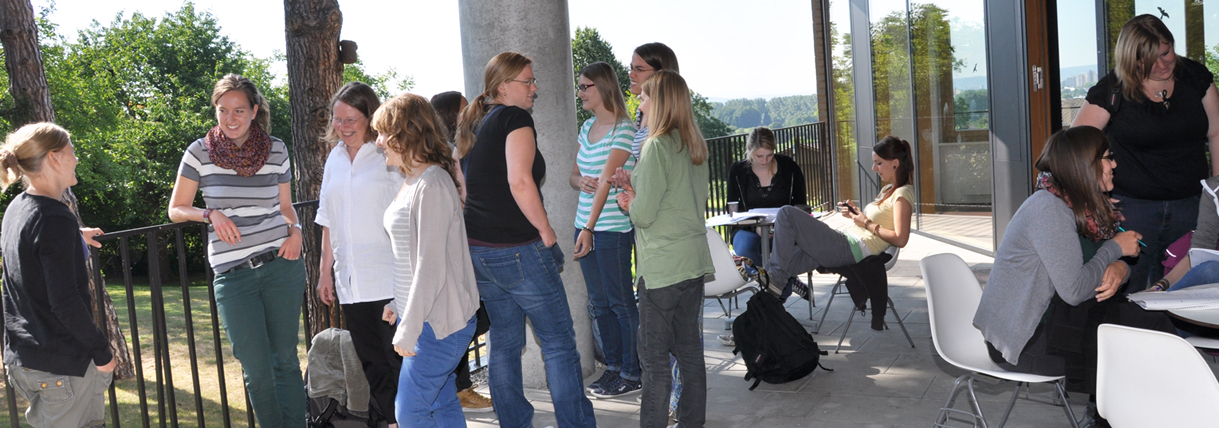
(774,345)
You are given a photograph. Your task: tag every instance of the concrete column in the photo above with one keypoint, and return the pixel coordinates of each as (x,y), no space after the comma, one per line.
(539,29)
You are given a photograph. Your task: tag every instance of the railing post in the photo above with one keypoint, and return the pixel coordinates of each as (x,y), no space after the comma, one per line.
(125,252)
(184,280)
(160,342)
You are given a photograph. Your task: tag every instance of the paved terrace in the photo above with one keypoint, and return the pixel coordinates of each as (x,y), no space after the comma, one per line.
(878,380)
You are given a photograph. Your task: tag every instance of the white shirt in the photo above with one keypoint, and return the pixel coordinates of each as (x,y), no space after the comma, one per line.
(352,203)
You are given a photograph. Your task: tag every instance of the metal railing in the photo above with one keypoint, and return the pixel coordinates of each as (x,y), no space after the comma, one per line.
(163,394)
(808,144)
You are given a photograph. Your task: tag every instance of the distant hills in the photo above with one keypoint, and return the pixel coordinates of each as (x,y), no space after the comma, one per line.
(778,112)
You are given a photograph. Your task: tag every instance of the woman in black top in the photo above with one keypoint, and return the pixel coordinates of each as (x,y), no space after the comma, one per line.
(763,179)
(1161,114)
(56,356)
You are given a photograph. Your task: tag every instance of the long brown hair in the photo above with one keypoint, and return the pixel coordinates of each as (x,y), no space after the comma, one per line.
(893,148)
(360,96)
(26,148)
(605,82)
(502,68)
(234,82)
(1136,52)
(413,130)
(448,106)
(1072,156)
(659,56)
(671,111)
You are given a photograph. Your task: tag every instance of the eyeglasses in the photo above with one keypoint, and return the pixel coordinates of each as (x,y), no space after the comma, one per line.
(583,88)
(345,122)
(640,69)
(529,82)
(1108,157)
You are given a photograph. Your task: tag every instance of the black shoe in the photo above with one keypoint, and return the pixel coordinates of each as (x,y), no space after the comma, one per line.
(1093,418)
(598,384)
(801,289)
(618,387)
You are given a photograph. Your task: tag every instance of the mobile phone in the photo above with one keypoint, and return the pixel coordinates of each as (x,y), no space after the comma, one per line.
(848,207)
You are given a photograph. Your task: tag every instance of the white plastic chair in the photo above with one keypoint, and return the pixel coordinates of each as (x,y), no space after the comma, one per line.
(953,295)
(728,281)
(1148,378)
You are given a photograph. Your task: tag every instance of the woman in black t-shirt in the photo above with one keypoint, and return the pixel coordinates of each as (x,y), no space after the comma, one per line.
(513,247)
(1161,114)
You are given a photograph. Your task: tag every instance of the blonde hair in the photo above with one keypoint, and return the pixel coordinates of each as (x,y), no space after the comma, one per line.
(359,96)
(234,82)
(760,138)
(501,69)
(605,81)
(411,129)
(26,148)
(1136,53)
(671,111)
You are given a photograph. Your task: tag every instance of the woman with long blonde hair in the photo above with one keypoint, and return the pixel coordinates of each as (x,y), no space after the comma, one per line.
(666,197)
(435,296)
(515,251)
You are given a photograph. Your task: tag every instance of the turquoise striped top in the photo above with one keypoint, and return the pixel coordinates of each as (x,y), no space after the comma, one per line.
(591,160)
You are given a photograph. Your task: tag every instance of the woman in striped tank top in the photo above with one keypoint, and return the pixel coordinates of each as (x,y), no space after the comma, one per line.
(603,233)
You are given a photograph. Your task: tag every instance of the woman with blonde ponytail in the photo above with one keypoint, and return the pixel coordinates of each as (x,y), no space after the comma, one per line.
(514,249)
(44,268)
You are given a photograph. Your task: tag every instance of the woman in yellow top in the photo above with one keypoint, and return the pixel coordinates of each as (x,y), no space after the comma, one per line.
(803,243)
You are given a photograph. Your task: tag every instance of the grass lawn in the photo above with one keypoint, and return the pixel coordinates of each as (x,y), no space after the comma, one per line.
(127,391)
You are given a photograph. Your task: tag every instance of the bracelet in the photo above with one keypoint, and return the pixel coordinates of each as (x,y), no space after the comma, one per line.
(587,228)
(1161,285)
(207,212)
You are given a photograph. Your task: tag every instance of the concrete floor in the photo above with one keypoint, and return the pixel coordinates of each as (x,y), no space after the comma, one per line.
(878,379)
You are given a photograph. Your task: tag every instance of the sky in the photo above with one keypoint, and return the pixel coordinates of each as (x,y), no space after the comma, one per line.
(726,51)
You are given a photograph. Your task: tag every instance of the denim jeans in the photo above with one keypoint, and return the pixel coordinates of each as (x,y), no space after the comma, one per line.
(746,243)
(669,323)
(1160,223)
(611,299)
(519,282)
(427,388)
(261,313)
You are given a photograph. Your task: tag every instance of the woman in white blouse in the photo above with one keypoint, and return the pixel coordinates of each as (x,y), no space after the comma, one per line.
(357,260)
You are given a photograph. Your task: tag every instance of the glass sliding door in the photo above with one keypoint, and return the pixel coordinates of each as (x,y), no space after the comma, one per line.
(843,87)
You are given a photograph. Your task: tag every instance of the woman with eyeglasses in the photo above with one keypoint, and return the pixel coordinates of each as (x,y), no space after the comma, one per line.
(647,59)
(357,266)
(1161,115)
(604,236)
(514,249)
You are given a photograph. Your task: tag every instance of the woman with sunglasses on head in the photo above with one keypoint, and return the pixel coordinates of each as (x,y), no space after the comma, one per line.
(604,236)
(357,265)
(435,296)
(254,244)
(666,198)
(1161,115)
(513,247)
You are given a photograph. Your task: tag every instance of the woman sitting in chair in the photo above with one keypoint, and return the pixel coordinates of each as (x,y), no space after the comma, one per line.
(1057,265)
(764,179)
(803,243)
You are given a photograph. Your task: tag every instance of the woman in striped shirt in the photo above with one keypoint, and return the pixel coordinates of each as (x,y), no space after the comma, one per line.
(603,233)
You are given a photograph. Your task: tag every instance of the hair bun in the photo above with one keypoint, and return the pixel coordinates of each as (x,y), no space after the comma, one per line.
(9,159)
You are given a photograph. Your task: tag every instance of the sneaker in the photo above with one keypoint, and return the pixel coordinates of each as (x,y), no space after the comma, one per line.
(727,339)
(765,282)
(618,387)
(472,401)
(606,377)
(801,289)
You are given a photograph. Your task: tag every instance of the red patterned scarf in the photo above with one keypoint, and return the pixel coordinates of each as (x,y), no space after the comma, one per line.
(1095,231)
(246,159)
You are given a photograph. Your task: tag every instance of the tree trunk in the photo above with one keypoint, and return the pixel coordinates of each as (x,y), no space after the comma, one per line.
(314,74)
(32,103)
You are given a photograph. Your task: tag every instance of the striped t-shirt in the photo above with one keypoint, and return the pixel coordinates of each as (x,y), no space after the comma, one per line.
(591,160)
(252,203)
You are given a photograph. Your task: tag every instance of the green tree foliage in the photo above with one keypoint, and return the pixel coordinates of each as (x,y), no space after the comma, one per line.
(777,112)
(387,84)
(1212,62)
(971,108)
(708,124)
(588,47)
(134,94)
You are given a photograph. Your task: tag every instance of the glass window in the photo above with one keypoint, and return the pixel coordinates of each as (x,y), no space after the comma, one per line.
(843,124)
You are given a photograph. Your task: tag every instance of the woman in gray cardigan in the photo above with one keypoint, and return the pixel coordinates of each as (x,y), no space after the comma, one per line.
(1063,241)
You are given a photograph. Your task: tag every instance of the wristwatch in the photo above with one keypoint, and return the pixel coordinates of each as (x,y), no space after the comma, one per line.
(207,212)
(297,226)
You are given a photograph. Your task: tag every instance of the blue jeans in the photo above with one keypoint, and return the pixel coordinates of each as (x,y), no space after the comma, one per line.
(427,388)
(261,313)
(1160,223)
(611,299)
(1205,273)
(746,243)
(519,282)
